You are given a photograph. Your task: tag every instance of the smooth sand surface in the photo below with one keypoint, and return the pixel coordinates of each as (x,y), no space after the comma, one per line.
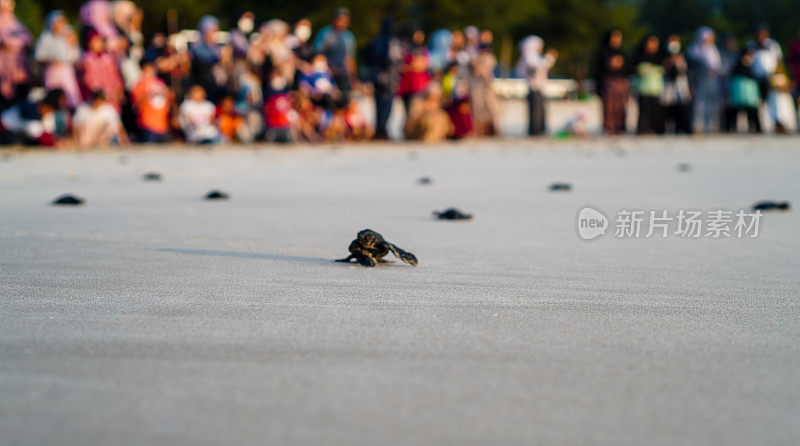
(150,316)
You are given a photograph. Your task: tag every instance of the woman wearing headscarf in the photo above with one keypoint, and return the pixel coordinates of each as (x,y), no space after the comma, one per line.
(649,86)
(205,55)
(14,38)
(534,67)
(441,43)
(57,50)
(705,65)
(96,18)
(611,82)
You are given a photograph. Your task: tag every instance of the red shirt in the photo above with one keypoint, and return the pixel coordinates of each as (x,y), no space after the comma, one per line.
(277,110)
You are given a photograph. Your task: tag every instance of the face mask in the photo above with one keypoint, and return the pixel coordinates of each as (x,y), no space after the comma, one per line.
(246,25)
(320,66)
(673,47)
(303,33)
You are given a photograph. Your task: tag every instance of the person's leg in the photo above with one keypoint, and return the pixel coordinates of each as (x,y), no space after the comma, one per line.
(149,137)
(541,112)
(531,113)
(383,109)
(641,120)
(670,123)
(536,111)
(753,120)
(660,126)
(730,120)
(683,121)
(407,98)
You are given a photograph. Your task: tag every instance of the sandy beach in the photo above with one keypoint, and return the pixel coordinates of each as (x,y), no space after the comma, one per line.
(151,316)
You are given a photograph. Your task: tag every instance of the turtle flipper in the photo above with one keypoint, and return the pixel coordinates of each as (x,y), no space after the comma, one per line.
(345,260)
(405,256)
(367,261)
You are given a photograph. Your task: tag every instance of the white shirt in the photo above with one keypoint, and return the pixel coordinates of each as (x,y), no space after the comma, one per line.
(197,120)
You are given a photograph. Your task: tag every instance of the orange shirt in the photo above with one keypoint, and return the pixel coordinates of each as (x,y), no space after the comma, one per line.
(152,99)
(228,124)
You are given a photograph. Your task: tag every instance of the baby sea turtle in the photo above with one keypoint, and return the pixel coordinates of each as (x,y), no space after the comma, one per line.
(217,195)
(369,248)
(425,180)
(452,214)
(684,167)
(152,176)
(68,200)
(771,206)
(560,187)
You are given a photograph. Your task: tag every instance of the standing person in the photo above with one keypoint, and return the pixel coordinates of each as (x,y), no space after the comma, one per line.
(299,44)
(14,39)
(100,72)
(769,70)
(611,82)
(677,97)
(485,106)
(96,18)
(128,21)
(383,59)
(414,75)
(705,65)
(794,64)
(240,36)
(535,67)
(730,54)
(338,45)
(743,93)
(649,86)
(57,49)
(460,54)
(205,55)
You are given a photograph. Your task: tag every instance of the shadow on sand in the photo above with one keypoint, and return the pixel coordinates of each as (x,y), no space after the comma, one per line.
(245,255)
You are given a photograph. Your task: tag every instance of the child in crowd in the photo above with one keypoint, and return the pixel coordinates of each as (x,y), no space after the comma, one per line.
(278,111)
(30,122)
(152,101)
(196,116)
(356,122)
(426,120)
(100,72)
(319,83)
(228,121)
(97,123)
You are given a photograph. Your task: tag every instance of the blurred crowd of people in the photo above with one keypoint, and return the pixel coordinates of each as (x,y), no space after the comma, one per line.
(705,88)
(104,84)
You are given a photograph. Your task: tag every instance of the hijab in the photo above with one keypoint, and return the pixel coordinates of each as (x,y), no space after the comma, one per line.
(706,54)
(97,15)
